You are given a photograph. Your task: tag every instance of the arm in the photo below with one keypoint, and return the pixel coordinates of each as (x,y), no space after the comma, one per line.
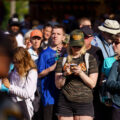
(28,89)
(90,80)
(59,80)
(42,70)
(47,71)
(59,75)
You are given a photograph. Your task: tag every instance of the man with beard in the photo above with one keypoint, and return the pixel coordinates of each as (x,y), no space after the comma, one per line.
(14,28)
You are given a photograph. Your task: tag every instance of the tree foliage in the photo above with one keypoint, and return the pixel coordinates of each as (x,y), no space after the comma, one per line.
(22,7)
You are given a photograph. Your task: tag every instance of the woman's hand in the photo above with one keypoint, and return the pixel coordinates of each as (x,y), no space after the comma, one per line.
(6,82)
(76,70)
(67,70)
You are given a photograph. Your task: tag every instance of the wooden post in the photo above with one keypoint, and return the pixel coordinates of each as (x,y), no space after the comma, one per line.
(12,7)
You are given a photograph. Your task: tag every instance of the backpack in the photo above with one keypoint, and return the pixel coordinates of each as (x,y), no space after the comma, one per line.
(36,101)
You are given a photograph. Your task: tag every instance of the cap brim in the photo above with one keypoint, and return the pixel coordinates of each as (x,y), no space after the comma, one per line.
(36,36)
(111,31)
(76,43)
(15,24)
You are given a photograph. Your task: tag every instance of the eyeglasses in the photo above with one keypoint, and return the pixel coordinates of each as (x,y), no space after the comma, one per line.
(36,37)
(116,42)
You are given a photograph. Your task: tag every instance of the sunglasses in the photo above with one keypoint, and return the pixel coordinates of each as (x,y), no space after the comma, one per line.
(36,37)
(86,37)
(76,47)
(116,42)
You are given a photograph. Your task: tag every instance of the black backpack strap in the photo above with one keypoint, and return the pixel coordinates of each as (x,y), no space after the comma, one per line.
(101,38)
(105,48)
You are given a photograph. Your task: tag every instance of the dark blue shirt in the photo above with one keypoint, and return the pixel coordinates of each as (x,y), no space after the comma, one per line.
(113,83)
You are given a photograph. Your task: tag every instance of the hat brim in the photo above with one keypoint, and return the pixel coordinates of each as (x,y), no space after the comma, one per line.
(15,24)
(76,43)
(111,31)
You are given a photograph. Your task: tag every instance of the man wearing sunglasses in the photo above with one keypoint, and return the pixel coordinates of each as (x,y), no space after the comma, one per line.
(97,53)
(35,38)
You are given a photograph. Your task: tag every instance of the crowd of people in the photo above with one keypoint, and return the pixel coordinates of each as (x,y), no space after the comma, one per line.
(67,68)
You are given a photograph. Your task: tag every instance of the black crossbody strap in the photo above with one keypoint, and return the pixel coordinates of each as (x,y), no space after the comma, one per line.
(105,48)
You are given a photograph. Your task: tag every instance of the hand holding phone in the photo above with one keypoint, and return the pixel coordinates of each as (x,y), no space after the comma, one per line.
(72,66)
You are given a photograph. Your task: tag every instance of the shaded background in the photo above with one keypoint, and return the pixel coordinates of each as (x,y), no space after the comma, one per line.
(44,10)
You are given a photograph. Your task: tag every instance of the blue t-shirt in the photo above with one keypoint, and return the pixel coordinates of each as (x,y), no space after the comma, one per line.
(48,90)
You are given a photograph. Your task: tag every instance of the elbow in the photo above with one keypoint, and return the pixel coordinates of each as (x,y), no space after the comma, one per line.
(40,75)
(92,85)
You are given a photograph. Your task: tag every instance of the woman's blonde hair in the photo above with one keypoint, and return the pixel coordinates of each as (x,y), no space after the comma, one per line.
(70,54)
(24,61)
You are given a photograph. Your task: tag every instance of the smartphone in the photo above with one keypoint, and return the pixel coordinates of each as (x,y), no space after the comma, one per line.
(73,65)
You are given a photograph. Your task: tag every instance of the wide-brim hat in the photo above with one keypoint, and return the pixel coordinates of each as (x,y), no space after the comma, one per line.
(110,26)
(76,38)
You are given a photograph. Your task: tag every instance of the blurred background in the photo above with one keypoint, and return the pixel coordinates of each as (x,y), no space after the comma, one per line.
(40,11)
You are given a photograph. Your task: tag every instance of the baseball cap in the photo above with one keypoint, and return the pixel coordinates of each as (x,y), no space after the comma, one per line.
(36,33)
(87,31)
(76,38)
(14,22)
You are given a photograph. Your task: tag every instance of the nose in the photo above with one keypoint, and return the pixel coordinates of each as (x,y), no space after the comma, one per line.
(55,35)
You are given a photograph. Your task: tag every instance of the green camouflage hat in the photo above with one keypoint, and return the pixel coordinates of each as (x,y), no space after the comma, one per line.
(76,38)
(67,39)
